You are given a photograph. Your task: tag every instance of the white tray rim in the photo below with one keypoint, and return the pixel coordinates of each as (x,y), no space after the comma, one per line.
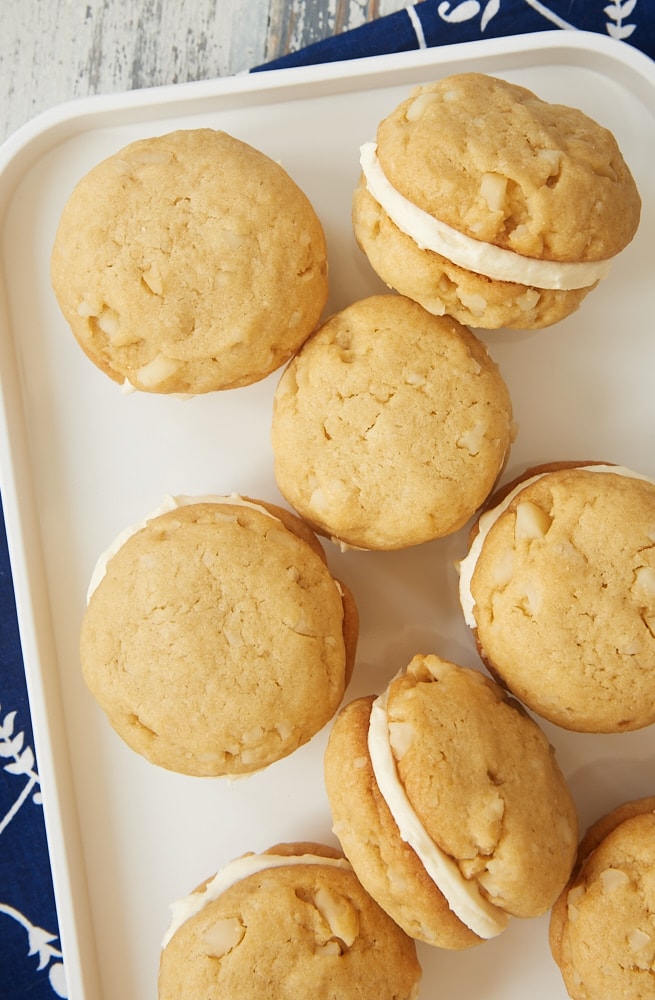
(23,148)
(583,48)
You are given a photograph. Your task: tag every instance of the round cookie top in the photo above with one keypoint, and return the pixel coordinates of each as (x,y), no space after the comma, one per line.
(217,640)
(390,426)
(189,262)
(497,163)
(602,929)
(563,591)
(302,928)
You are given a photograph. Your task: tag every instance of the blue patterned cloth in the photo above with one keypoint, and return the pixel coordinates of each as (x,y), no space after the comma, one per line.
(439,22)
(31,966)
(30,954)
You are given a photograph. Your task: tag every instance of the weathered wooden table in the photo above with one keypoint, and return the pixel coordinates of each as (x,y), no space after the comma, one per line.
(54,50)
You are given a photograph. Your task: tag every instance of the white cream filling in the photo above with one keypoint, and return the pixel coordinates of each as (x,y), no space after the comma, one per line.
(463,896)
(167,504)
(489,518)
(483,258)
(127,389)
(242,868)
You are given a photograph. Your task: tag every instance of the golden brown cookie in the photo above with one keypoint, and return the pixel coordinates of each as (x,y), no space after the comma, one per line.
(559,588)
(390,426)
(293,923)
(215,638)
(189,262)
(602,928)
(449,803)
(480,200)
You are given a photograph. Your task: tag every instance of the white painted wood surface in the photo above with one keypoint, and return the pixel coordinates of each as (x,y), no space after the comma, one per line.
(55,50)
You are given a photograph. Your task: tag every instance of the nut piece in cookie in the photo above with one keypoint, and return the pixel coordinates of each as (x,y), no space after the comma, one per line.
(449,803)
(559,589)
(189,262)
(215,638)
(390,426)
(602,927)
(480,200)
(293,923)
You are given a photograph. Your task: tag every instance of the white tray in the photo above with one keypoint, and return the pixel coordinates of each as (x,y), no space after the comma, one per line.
(79,461)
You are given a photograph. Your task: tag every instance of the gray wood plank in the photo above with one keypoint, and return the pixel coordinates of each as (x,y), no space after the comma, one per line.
(54,50)
(292,25)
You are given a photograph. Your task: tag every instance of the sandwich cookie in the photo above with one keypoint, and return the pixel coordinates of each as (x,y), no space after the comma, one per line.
(449,803)
(602,927)
(558,587)
(390,426)
(480,200)
(293,923)
(215,638)
(189,262)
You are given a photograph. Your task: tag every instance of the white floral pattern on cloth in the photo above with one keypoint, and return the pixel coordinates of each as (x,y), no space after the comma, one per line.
(430,23)
(17,761)
(617,14)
